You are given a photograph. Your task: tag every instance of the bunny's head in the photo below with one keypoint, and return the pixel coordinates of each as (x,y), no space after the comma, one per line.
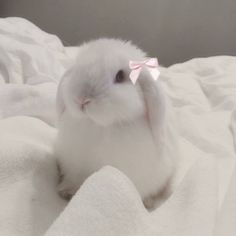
(98,85)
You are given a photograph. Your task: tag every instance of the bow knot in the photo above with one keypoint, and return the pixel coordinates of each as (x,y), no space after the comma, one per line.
(136,66)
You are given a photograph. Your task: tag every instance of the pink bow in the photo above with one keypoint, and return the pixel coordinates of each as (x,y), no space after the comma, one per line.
(136,66)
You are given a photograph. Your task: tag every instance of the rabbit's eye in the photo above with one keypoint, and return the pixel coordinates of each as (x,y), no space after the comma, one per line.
(120,77)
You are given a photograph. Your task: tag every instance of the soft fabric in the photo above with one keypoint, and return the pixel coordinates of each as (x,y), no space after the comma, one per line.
(31,64)
(203,94)
(28,177)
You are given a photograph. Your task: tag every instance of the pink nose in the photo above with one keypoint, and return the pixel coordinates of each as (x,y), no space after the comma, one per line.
(83,102)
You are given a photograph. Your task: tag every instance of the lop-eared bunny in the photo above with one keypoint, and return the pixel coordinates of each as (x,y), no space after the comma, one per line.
(104,119)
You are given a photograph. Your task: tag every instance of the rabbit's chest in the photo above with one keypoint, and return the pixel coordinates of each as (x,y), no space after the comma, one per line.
(121,146)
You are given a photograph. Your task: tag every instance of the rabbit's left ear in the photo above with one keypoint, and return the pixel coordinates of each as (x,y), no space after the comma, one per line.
(155,103)
(60,103)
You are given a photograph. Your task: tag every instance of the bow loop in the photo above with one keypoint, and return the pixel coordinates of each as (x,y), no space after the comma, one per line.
(152,62)
(133,65)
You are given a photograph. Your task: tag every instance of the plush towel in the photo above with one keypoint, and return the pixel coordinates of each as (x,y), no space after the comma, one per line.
(109,204)
(31,64)
(29,202)
(203,94)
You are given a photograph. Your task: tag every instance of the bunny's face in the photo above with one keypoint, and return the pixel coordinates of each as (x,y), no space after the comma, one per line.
(98,85)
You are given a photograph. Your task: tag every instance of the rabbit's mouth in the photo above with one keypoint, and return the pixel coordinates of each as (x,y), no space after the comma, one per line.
(82,103)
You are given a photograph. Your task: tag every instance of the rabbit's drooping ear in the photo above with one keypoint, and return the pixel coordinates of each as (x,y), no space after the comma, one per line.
(155,103)
(60,104)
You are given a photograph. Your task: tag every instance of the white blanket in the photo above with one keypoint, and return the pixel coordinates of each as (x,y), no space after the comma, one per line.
(203,94)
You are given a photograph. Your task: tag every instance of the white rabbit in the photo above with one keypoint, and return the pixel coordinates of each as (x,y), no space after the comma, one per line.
(106,120)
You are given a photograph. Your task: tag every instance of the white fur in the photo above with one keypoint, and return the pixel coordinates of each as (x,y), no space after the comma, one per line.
(123,125)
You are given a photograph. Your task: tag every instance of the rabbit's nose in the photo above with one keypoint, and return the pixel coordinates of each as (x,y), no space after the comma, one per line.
(83,102)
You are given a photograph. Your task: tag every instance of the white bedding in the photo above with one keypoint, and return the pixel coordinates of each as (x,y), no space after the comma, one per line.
(203,94)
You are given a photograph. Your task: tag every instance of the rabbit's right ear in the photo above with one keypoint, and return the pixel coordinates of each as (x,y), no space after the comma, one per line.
(155,104)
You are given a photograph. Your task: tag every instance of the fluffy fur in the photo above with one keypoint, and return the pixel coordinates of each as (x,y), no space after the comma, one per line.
(123,125)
